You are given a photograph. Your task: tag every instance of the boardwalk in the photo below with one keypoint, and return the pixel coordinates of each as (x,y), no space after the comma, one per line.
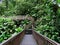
(28,40)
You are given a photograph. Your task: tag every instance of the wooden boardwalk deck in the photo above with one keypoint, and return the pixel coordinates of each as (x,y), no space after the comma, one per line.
(28,40)
(25,38)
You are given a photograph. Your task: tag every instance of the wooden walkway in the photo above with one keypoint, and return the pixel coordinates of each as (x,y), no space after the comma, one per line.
(28,40)
(33,38)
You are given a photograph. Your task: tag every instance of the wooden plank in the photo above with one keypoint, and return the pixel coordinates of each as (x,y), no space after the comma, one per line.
(28,40)
(42,40)
(15,40)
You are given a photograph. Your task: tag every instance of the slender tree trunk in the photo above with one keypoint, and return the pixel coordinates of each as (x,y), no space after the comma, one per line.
(55,8)
(6,1)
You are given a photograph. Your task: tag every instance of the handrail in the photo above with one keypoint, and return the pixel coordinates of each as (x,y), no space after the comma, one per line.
(15,40)
(42,40)
(21,17)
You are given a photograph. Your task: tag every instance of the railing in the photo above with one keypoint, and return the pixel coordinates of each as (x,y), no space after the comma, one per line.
(15,40)
(42,40)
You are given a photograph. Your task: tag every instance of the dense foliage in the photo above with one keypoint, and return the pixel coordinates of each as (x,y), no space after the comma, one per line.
(46,14)
(49,22)
(8,28)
